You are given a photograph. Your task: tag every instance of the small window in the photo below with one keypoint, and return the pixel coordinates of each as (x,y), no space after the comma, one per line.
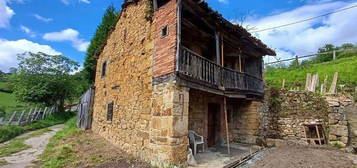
(110,112)
(164,31)
(161,3)
(104,69)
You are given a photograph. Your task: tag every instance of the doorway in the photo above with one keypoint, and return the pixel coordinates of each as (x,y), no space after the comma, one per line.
(213,124)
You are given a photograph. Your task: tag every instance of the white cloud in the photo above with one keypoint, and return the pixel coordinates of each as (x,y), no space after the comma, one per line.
(223,1)
(28,31)
(6,14)
(85,1)
(70,35)
(307,37)
(10,49)
(67,2)
(41,18)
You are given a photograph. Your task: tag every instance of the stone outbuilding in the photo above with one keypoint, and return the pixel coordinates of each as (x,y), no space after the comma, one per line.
(170,66)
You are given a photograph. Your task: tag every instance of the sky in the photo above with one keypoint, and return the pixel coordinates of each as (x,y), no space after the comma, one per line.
(66,26)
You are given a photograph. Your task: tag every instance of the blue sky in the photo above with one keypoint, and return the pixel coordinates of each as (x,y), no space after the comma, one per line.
(66,26)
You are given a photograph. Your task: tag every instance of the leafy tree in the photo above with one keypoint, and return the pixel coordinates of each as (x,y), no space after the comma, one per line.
(108,23)
(45,79)
(12,70)
(2,75)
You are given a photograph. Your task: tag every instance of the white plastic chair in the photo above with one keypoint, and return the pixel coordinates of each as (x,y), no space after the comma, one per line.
(196,140)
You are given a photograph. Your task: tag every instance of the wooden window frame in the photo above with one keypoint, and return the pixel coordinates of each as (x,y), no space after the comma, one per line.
(110,111)
(103,71)
(162,31)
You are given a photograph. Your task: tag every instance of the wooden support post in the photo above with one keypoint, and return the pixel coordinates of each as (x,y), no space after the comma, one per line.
(297,60)
(226,119)
(218,50)
(222,49)
(318,134)
(240,61)
(20,118)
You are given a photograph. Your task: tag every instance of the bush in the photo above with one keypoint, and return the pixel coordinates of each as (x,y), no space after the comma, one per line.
(9,132)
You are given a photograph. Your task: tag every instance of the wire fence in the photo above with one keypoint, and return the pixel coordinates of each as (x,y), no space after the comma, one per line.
(299,59)
(27,116)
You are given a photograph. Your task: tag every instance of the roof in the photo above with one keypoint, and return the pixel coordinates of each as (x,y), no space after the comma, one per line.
(245,35)
(237,28)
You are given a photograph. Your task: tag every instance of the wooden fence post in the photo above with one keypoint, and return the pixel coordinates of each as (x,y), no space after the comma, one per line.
(44,113)
(20,118)
(334,84)
(308,81)
(334,54)
(11,118)
(28,119)
(34,115)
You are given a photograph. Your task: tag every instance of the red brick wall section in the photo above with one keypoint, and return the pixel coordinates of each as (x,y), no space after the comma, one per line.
(165,47)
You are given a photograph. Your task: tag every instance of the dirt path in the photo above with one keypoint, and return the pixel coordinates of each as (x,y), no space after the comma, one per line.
(306,157)
(25,158)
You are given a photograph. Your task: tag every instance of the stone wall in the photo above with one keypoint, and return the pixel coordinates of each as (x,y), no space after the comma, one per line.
(127,83)
(243,117)
(338,121)
(285,112)
(169,125)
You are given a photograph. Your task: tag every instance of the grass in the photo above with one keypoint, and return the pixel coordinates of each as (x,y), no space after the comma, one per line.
(56,154)
(9,132)
(13,146)
(17,145)
(8,100)
(3,162)
(296,77)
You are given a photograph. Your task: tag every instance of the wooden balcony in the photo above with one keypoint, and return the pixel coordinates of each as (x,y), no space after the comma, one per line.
(207,73)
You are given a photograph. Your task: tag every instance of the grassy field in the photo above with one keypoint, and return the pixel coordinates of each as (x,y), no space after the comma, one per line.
(8,100)
(346,67)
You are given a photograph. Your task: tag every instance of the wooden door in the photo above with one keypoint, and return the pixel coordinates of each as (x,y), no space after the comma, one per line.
(213,123)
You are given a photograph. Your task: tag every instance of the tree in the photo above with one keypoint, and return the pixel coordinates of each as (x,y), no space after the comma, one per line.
(12,70)
(45,79)
(108,23)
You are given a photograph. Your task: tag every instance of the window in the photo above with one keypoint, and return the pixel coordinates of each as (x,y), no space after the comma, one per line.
(164,31)
(104,68)
(160,3)
(110,112)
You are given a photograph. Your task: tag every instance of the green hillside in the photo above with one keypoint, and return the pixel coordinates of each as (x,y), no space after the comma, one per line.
(347,68)
(7,100)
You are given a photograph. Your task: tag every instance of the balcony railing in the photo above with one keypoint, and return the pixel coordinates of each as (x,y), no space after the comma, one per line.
(204,70)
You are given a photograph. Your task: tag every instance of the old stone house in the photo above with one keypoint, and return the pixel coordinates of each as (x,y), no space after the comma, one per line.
(176,65)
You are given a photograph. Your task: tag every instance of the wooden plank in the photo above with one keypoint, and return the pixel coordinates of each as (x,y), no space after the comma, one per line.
(308,81)
(334,84)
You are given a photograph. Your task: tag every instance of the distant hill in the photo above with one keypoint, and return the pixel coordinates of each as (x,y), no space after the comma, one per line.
(295,77)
